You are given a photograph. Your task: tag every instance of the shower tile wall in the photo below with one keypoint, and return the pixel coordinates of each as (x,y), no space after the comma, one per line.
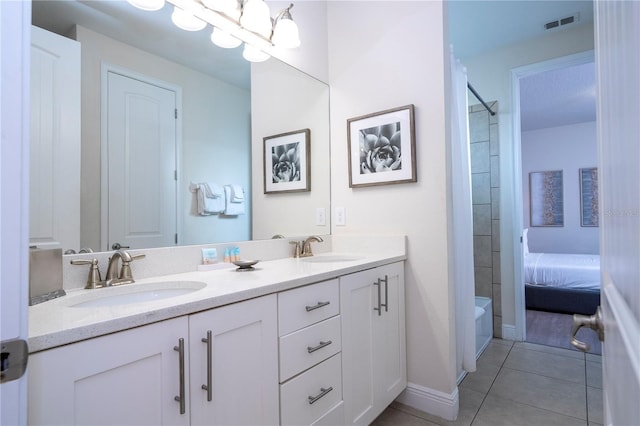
(485,190)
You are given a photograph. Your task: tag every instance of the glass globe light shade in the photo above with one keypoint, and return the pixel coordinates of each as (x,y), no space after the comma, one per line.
(186,20)
(256,16)
(223,39)
(253,54)
(148,5)
(286,34)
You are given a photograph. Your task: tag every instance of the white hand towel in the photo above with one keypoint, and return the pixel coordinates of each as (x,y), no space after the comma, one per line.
(232,208)
(213,190)
(215,204)
(237,194)
(206,205)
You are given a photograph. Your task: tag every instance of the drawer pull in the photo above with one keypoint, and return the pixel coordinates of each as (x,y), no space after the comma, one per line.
(323,392)
(320,346)
(319,305)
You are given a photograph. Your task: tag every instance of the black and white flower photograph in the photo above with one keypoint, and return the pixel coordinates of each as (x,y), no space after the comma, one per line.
(286,162)
(287,166)
(382,148)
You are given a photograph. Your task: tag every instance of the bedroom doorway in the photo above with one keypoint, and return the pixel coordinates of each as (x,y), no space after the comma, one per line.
(554,123)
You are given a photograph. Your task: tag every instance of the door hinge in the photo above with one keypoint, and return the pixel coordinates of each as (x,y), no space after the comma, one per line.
(176,238)
(13,360)
(176,113)
(175,175)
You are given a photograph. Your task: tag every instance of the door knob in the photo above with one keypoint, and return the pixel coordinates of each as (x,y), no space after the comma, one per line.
(118,246)
(594,322)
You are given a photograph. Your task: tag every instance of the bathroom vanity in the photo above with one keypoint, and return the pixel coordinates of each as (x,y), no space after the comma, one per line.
(297,341)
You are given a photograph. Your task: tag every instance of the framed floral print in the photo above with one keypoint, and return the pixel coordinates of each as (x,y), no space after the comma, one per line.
(589,209)
(287,165)
(382,148)
(546,199)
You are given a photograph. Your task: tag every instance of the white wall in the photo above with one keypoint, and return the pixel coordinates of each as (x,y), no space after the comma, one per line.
(490,74)
(566,148)
(283,100)
(215,137)
(374,64)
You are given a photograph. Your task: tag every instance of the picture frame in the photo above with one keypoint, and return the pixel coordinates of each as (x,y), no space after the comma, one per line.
(546,198)
(287,162)
(382,148)
(589,205)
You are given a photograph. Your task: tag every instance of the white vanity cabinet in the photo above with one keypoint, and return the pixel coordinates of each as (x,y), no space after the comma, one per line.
(310,346)
(134,376)
(130,377)
(374,343)
(234,364)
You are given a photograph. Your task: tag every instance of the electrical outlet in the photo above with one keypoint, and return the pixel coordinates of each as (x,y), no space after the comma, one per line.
(321,216)
(340,216)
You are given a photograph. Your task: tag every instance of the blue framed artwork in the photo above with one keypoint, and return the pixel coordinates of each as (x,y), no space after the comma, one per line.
(589,197)
(546,198)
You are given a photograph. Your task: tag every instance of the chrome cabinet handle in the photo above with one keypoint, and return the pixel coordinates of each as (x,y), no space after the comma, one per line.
(320,346)
(323,392)
(379,308)
(181,398)
(319,305)
(386,293)
(208,386)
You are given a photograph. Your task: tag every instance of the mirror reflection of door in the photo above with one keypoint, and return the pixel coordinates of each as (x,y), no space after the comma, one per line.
(54,203)
(141,171)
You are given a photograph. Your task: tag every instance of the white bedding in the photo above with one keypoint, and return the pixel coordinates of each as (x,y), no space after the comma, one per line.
(577,271)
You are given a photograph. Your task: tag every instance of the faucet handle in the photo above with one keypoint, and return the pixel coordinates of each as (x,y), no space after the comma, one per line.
(94,280)
(125,270)
(296,252)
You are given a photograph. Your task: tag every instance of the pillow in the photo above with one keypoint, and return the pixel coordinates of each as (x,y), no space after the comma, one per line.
(525,242)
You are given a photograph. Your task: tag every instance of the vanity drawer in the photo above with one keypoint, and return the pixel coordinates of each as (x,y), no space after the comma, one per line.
(307,305)
(305,348)
(311,395)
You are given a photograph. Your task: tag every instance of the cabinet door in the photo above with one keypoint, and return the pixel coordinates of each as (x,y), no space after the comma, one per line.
(131,377)
(243,373)
(390,350)
(373,341)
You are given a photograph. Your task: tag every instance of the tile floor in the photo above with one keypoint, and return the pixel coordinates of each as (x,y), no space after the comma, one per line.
(520,384)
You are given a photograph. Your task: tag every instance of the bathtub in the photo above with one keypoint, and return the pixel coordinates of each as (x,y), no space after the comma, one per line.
(484,323)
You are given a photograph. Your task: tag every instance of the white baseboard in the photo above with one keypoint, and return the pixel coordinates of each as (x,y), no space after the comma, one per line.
(509,332)
(431,401)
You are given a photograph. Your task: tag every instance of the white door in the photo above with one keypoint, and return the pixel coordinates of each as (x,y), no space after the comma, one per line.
(142,172)
(54,187)
(15,26)
(618,84)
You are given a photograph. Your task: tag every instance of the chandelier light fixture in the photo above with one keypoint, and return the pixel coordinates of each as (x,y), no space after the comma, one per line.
(234,22)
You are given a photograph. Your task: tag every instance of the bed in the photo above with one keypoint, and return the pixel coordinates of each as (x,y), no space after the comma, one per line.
(565,283)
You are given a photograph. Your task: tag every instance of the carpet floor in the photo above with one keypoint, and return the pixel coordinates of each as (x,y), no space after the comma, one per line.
(553,329)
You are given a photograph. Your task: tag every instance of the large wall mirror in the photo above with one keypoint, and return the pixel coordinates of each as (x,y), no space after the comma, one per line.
(225,107)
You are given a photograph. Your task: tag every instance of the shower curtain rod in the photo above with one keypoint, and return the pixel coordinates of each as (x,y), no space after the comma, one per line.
(484,104)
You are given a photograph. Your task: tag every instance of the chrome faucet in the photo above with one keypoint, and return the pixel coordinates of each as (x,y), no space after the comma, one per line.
(125,276)
(306,245)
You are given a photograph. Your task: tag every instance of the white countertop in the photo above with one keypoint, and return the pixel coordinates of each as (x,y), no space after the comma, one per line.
(55,323)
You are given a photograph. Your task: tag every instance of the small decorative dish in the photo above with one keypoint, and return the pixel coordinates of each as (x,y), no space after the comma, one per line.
(245,265)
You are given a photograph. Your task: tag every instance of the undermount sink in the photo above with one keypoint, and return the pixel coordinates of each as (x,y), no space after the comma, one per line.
(135,293)
(330,258)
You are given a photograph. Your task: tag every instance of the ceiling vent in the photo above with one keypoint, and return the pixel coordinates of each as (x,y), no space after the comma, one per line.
(562,22)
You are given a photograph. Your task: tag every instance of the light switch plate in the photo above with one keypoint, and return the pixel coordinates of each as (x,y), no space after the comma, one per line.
(340,216)
(321,216)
